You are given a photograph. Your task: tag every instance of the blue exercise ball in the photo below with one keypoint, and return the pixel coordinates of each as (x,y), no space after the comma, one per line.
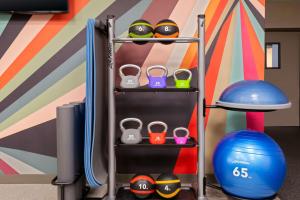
(254,94)
(249,164)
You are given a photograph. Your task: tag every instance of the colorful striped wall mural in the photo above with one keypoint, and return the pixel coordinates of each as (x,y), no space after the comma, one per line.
(42,66)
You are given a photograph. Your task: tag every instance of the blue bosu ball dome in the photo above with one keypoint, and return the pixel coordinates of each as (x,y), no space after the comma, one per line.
(253,95)
(249,164)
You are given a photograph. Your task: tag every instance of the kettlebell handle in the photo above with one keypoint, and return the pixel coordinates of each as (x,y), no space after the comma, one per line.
(181,129)
(129,66)
(131,120)
(149,69)
(157,123)
(182,70)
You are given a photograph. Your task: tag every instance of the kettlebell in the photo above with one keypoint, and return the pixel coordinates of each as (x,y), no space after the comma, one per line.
(182,139)
(131,136)
(130,81)
(179,83)
(157,137)
(157,81)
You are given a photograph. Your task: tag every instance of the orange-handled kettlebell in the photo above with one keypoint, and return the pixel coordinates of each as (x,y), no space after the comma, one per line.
(157,137)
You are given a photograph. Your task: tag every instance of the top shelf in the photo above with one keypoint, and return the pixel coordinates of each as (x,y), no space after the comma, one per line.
(157,40)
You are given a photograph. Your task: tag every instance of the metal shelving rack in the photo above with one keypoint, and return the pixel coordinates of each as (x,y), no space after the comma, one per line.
(200,99)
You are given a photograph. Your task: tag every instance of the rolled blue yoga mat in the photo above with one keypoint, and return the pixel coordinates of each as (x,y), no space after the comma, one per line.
(95,164)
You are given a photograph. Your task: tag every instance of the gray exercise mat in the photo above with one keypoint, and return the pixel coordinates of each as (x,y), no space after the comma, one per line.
(70,134)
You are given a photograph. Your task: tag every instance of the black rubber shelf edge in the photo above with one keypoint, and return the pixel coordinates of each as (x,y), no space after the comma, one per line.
(184,194)
(170,143)
(120,90)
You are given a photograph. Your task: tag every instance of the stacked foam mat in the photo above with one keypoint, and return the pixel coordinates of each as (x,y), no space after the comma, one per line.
(95,149)
(70,129)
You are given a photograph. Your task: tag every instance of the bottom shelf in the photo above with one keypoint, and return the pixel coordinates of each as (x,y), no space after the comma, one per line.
(185,194)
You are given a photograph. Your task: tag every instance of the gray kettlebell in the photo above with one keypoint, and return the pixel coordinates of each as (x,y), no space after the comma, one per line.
(130,81)
(131,136)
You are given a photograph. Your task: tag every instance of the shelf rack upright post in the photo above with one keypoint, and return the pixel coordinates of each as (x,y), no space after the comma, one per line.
(200,40)
(201,107)
(111,110)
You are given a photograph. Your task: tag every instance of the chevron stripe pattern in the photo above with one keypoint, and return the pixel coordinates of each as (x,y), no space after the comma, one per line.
(42,66)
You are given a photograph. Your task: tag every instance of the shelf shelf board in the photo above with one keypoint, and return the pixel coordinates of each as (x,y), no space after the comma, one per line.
(170,143)
(156,90)
(185,194)
(157,40)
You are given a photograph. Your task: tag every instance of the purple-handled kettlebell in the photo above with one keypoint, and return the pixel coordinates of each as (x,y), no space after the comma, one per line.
(157,81)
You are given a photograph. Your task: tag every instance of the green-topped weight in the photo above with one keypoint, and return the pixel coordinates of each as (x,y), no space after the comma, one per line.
(140,29)
(182,83)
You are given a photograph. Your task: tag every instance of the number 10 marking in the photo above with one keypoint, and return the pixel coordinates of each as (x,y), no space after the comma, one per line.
(143,187)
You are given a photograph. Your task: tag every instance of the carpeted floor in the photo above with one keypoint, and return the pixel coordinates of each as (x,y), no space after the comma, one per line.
(289,140)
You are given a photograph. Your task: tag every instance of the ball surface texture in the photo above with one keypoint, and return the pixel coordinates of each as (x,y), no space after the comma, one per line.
(141,29)
(168,185)
(142,186)
(254,92)
(249,164)
(166,29)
